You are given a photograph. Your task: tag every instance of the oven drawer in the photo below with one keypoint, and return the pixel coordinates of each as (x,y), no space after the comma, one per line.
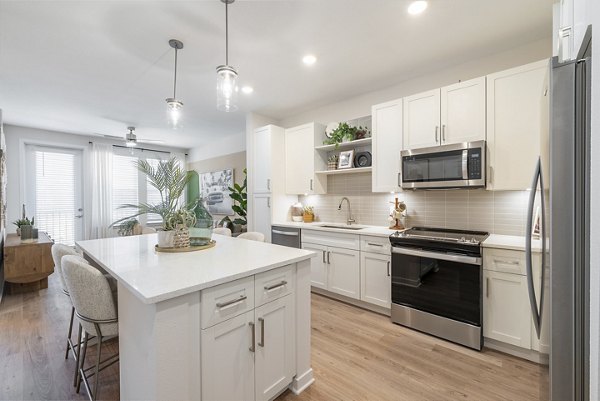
(226,301)
(507,261)
(375,244)
(273,284)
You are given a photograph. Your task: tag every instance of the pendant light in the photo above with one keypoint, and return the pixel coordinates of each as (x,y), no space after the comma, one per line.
(173,105)
(226,74)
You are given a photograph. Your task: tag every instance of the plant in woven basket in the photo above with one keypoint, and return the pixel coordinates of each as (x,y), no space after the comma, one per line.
(309,214)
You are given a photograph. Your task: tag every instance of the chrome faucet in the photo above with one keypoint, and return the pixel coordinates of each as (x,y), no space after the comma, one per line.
(350,220)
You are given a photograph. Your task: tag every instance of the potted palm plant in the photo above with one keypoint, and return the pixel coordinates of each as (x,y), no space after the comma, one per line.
(170,180)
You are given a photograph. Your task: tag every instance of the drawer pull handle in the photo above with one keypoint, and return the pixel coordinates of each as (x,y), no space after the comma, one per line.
(373,244)
(252,348)
(507,262)
(487,287)
(275,286)
(261,343)
(232,302)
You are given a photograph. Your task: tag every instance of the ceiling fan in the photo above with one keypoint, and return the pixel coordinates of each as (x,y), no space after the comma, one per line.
(132,141)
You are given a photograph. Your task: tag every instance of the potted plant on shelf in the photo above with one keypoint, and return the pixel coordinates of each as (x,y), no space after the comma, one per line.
(343,133)
(170,180)
(23,222)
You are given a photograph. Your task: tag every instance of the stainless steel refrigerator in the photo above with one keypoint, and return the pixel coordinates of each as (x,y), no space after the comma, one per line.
(561,184)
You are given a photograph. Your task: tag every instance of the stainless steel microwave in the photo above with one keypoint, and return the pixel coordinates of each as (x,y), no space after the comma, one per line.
(460,165)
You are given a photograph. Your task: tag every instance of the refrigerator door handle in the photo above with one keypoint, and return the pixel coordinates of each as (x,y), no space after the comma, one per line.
(528,256)
(543,239)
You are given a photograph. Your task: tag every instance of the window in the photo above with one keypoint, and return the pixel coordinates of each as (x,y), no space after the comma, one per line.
(53,192)
(130,186)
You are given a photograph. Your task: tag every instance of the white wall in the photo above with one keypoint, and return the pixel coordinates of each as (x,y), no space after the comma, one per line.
(218,147)
(360,106)
(595,212)
(17,137)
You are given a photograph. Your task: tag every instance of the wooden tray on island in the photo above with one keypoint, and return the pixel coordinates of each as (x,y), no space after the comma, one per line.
(211,244)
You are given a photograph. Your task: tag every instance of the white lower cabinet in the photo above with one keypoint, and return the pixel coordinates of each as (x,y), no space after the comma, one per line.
(227,360)
(343,272)
(274,363)
(251,356)
(318,265)
(262,215)
(507,317)
(375,278)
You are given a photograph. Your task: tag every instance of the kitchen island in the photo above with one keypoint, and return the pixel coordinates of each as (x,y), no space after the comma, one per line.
(231,322)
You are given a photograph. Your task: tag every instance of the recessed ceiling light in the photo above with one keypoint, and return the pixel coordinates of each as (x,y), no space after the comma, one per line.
(247,89)
(417,7)
(309,59)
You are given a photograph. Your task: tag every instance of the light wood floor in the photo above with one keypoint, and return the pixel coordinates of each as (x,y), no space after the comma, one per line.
(356,355)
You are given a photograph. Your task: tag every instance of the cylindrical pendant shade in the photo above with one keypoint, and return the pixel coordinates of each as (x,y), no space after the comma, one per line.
(174,112)
(226,88)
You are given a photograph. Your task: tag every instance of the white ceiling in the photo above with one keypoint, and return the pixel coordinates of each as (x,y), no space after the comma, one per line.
(97,66)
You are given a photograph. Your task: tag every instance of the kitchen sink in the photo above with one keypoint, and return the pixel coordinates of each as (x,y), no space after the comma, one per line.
(343,227)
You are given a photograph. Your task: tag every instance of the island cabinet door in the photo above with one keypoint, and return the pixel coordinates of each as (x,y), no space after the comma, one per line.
(344,272)
(228,359)
(318,265)
(275,347)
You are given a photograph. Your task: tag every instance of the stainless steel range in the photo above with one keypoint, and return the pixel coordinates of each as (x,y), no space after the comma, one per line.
(437,281)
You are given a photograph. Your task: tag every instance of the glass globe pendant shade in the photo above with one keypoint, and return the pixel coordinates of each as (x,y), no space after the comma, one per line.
(174,112)
(226,88)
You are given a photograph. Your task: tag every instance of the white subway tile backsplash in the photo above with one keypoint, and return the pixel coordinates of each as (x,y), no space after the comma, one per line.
(474,209)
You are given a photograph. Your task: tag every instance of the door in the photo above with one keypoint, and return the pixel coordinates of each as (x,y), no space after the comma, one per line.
(228,359)
(54,191)
(299,159)
(275,347)
(262,161)
(375,278)
(514,116)
(262,215)
(422,120)
(387,144)
(343,276)
(463,112)
(506,313)
(318,265)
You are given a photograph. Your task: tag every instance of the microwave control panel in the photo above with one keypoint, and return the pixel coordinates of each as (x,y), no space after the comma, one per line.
(474,163)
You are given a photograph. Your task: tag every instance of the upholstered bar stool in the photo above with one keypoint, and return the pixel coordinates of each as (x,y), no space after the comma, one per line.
(253,236)
(58,251)
(222,231)
(96,311)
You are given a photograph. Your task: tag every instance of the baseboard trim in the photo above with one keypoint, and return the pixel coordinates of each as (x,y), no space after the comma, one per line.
(530,355)
(302,382)
(354,302)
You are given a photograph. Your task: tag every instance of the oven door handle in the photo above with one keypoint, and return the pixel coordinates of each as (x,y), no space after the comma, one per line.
(471,260)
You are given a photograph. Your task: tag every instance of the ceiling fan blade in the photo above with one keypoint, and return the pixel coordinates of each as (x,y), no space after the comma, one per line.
(151,141)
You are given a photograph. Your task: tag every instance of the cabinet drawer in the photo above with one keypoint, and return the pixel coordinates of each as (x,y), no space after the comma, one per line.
(226,301)
(338,240)
(507,261)
(273,284)
(375,244)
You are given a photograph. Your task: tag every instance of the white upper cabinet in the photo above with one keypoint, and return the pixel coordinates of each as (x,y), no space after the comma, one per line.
(422,120)
(452,114)
(387,144)
(302,160)
(517,114)
(463,112)
(261,162)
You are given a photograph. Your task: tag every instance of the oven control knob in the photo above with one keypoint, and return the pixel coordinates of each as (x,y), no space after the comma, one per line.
(473,240)
(462,239)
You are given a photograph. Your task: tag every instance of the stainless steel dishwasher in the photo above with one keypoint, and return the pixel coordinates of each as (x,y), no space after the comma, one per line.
(286,236)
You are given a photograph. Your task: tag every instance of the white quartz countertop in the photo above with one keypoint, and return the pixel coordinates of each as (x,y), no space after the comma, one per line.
(157,276)
(511,242)
(318,225)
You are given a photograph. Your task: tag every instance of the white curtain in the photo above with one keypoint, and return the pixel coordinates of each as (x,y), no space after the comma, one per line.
(101,189)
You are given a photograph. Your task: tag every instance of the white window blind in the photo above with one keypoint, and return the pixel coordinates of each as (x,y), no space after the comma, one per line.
(53,195)
(130,186)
